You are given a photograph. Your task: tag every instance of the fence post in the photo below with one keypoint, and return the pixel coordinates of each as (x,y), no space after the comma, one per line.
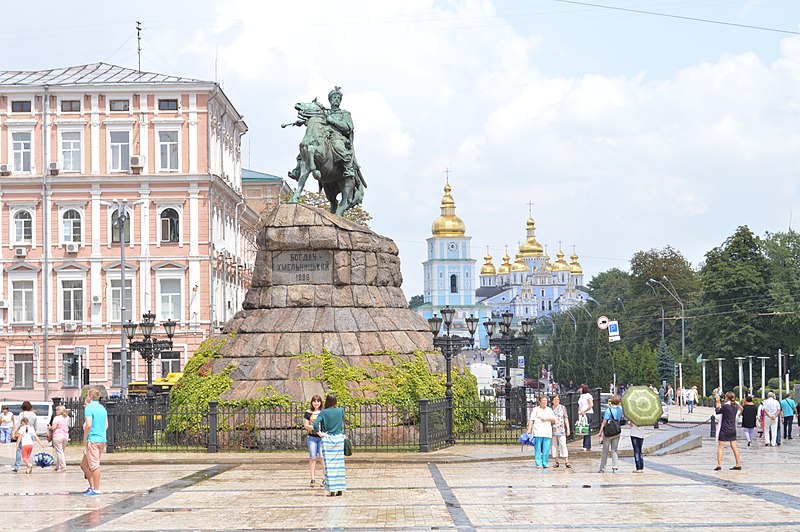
(111,433)
(713,426)
(424,435)
(212,426)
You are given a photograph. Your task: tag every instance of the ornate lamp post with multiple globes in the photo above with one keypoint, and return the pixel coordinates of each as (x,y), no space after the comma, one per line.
(508,344)
(450,345)
(150,348)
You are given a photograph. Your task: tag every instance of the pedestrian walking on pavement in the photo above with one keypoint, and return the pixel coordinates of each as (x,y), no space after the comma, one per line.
(27,436)
(727,430)
(314,440)
(541,421)
(586,408)
(6,425)
(691,395)
(772,411)
(608,437)
(637,442)
(29,414)
(95,426)
(561,432)
(330,426)
(789,408)
(60,429)
(749,417)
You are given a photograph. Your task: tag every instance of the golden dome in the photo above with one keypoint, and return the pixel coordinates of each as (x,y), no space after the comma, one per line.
(519,265)
(575,267)
(560,265)
(531,247)
(488,267)
(506,266)
(448,224)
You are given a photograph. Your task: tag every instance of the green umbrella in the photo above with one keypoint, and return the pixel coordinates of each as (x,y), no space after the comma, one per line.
(641,405)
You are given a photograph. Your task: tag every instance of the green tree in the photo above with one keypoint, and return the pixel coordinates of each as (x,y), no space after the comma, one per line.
(666,364)
(416,301)
(735,280)
(782,314)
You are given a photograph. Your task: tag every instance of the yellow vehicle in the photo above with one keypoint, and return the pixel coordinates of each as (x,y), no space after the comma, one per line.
(160,385)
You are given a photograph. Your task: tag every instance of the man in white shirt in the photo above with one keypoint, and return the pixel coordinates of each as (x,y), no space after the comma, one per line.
(772,409)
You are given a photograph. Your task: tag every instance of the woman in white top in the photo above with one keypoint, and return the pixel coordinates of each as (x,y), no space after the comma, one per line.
(586,408)
(6,425)
(542,419)
(637,440)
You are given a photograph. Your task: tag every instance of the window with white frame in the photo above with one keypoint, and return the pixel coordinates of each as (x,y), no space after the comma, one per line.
(168,151)
(170,363)
(170,228)
(115,223)
(116,368)
(70,106)
(21,151)
(170,290)
(116,299)
(23,371)
(23,227)
(72,300)
(21,106)
(71,151)
(22,301)
(71,225)
(119,105)
(120,143)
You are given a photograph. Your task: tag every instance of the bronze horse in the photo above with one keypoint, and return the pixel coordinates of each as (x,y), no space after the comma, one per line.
(317,158)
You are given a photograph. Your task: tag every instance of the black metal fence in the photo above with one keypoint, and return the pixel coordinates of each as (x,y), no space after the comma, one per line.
(141,424)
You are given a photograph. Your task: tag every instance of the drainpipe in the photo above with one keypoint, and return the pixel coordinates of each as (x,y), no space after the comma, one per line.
(210,212)
(237,250)
(46,246)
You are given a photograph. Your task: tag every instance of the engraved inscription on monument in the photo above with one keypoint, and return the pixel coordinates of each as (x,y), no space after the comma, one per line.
(302,267)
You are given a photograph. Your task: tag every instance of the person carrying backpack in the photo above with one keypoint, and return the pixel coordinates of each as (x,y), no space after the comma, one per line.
(610,430)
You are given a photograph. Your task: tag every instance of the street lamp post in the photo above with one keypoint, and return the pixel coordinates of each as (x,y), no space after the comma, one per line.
(703,361)
(740,360)
(450,345)
(674,294)
(763,376)
(653,288)
(750,362)
(719,373)
(150,348)
(507,344)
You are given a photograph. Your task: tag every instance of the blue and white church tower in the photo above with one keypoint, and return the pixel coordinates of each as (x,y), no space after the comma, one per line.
(450,271)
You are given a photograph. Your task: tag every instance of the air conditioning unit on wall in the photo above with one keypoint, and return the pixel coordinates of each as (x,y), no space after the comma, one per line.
(3,303)
(54,168)
(5,169)
(71,247)
(70,326)
(20,252)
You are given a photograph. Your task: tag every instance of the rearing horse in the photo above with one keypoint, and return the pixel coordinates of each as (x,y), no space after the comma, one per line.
(317,157)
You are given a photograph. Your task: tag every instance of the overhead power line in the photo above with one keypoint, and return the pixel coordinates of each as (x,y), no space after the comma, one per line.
(681,17)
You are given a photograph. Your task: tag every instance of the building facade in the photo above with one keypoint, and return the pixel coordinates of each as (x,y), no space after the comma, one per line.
(96,162)
(263,191)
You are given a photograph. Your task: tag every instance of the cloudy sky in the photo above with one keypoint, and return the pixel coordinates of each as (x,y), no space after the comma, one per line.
(627,131)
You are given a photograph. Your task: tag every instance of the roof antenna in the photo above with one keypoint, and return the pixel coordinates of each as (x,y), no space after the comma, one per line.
(139,46)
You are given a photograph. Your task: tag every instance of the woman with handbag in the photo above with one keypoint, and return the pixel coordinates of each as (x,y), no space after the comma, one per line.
(560,431)
(330,426)
(60,436)
(610,430)
(586,410)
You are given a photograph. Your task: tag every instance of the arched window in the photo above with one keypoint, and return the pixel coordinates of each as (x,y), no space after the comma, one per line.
(169,226)
(115,235)
(549,305)
(71,223)
(23,227)
(453,284)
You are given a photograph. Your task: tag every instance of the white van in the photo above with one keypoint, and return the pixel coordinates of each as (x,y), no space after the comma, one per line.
(42,410)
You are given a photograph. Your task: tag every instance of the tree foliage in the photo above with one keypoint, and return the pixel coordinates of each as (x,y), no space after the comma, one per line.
(416,301)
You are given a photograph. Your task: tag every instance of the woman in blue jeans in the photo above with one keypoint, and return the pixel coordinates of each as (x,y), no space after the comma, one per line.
(637,441)
(586,408)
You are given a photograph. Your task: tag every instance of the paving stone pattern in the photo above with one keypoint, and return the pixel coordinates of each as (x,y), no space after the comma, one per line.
(676,492)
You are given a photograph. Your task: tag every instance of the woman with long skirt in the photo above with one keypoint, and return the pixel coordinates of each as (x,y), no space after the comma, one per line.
(330,426)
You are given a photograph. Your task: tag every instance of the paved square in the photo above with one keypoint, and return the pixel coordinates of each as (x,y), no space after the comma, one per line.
(676,492)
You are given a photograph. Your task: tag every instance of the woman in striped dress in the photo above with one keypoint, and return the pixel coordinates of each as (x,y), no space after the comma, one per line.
(330,426)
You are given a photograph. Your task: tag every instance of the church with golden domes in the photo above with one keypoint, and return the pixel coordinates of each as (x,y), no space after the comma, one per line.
(529,287)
